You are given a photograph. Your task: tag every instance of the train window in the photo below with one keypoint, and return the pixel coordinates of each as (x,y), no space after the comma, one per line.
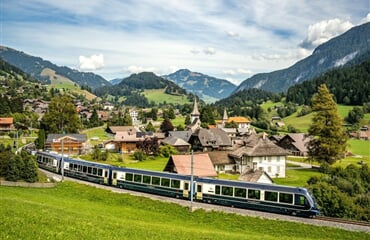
(302,200)
(186,186)
(84,169)
(114,175)
(89,170)
(254,194)
(129,177)
(227,191)
(94,170)
(218,189)
(71,166)
(241,192)
(286,198)
(137,178)
(271,196)
(175,183)
(146,179)
(199,188)
(80,168)
(165,182)
(100,172)
(156,181)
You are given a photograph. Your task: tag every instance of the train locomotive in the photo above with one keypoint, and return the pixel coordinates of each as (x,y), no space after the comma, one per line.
(263,197)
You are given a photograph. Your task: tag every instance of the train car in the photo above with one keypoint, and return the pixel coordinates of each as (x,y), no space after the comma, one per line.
(49,161)
(159,183)
(262,197)
(87,171)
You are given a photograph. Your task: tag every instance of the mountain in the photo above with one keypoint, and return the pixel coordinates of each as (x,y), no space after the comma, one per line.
(38,68)
(208,88)
(115,81)
(345,49)
(140,81)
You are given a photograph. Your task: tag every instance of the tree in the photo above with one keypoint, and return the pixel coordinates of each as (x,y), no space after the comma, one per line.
(355,115)
(149,127)
(166,126)
(149,146)
(329,140)
(41,139)
(61,116)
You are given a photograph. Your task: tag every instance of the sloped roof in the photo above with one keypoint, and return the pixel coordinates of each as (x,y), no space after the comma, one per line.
(115,129)
(181,164)
(59,137)
(184,135)
(195,111)
(175,141)
(264,147)
(299,141)
(250,175)
(7,120)
(238,120)
(220,157)
(213,137)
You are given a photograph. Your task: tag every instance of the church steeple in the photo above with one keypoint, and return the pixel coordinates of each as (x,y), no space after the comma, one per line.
(224,118)
(195,113)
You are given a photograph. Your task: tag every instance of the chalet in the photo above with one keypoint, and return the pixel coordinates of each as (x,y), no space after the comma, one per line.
(181,164)
(295,143)
(179,144)
(209,139)
(242,122)
(184,135)
(262,154)
(125,141)
(115,129)
(72,143)
(6,124)
(222,162)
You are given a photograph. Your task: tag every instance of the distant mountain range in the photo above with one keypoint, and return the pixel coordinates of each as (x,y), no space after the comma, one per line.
(351,47)
(36,66)
(208,88)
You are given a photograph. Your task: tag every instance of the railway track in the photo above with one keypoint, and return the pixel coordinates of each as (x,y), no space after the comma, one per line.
(344,221)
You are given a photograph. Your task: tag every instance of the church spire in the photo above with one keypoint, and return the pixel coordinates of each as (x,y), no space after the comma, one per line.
(195,113)
(224,118)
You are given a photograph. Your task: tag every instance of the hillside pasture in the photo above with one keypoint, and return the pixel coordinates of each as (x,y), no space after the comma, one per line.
(74,211)
(159,97)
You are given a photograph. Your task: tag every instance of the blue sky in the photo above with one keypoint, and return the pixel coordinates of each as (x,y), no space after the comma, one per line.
(226,39)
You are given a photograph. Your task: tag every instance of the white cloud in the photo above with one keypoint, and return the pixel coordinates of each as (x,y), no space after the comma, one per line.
(139,69)
(209,51)
(232,34)
(365,19)
(94,62)
(229,72)
(244,71)
(195,51)
(323,31)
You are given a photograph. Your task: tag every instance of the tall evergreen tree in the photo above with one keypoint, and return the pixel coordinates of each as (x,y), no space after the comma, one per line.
(329,140)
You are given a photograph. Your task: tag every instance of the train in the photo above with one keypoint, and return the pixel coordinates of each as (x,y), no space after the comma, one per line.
(273,198)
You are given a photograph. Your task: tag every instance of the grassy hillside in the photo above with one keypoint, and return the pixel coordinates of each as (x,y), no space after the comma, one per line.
(73,211)
(158,96)
(60,82)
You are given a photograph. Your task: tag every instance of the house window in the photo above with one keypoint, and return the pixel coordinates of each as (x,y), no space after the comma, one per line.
(278,158)
(269,169)
(278,169)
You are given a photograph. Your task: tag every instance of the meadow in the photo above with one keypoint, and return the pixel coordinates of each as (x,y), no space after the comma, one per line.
(158,96)
(75,211)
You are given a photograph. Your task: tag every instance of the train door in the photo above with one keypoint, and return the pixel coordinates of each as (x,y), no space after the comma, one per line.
(199,191)
(114,178)
(106,173)
(185,192)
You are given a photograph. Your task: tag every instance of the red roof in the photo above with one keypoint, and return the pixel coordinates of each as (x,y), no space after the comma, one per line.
(8,120)
(202,165)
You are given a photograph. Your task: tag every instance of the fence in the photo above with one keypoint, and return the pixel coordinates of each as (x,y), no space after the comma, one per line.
(26,184)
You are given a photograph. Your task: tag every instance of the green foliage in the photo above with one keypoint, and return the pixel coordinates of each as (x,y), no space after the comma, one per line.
(349,86)
(149,127)
(167,151)
(99,155)
(139,155)
(61,116)
(355,115)
(17,167)
(343,192)
(330,141)
(231,124)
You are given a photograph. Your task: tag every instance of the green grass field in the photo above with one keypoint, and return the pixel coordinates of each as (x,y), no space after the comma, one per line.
(73,211)
(158,96)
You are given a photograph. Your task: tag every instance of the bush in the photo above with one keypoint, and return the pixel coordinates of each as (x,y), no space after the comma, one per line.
(139,155)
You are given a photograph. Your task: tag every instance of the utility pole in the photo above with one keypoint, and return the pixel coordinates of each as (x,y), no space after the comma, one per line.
(62,162)
(191,181)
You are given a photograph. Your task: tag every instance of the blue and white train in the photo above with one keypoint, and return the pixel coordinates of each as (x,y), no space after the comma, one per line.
(264,197)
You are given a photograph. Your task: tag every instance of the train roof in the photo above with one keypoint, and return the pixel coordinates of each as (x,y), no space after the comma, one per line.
(263,186)
(152,173)
(88,163)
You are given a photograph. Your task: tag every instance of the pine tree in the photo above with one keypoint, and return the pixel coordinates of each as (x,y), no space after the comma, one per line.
(329,140)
